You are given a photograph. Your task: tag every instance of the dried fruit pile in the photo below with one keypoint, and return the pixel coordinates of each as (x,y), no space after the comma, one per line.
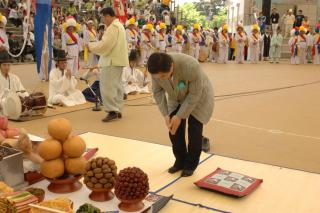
(100,173)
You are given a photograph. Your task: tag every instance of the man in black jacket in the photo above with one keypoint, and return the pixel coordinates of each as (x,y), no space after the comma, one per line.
(274,19)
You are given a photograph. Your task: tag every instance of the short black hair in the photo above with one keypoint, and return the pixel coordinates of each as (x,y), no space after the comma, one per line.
(108,11)
(159,62)
(133,56)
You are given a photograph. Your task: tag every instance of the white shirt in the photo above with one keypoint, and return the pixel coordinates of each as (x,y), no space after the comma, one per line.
(167,20)
(12,83)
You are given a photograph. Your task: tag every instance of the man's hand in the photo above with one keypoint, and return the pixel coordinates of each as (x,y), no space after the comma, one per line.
(167,120)
(68,74)
(174,124)
(129,82)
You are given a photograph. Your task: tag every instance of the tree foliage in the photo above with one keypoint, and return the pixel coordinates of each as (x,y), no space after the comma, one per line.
(208,13)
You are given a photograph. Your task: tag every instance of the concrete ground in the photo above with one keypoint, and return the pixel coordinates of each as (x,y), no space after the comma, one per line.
(267,113)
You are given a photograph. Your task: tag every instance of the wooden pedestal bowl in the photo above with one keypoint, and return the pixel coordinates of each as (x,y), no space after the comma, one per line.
(65,184)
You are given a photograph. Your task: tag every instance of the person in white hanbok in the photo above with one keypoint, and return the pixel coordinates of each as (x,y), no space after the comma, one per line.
(131,34)
(254,44)
(62,84)
(316,47)
(276,43)
(134,81)
(9,82)
(224,45)
(4,44)
(71,44)
(240,39)
(195,39)
(90,35)
(161,38)
(147,41)
(178,40)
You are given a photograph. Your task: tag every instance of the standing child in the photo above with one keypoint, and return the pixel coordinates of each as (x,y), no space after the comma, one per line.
(146,43)
(276,42)
(224,45)
(161,38)
(178,39)
(316,47)
(302,42)
(254,45)
(240,39)
(310,44)
(90,35)
(71,44)
(131,34)
(266,38)
(195,39)
(295,48)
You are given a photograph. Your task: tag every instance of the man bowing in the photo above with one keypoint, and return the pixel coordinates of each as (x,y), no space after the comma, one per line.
(182,92)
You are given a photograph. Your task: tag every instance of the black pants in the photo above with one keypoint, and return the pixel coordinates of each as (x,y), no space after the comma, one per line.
(187,157)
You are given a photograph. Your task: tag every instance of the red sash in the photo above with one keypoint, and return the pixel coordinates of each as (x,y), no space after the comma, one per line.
(92,32)
(255,37)
(178,36)
(304,38)
(314,47)
(132,31)
(161,36)
(293,45)
(240,34)
(148,36)
(195,35)
(72,37)
(1,39)
(225,36)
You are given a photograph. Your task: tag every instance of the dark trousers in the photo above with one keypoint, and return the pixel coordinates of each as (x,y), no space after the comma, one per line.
(187,157)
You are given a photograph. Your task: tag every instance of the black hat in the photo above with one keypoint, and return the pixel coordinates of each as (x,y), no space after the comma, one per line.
(61,56)
(4,57)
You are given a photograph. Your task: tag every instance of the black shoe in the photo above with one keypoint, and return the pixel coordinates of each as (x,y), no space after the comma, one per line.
(205,144)
(112,116)
(187,173)
(174,169)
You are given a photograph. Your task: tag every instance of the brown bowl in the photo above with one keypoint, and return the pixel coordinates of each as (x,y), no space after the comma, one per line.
(65,184)
(39,193)
(131,205)
(101,195)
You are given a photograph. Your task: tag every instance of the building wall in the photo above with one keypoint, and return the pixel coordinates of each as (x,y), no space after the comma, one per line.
(248,7)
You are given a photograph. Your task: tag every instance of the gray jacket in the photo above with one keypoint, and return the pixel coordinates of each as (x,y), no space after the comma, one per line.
(190,88)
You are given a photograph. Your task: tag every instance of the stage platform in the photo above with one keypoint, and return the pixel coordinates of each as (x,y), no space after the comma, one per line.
(282,191)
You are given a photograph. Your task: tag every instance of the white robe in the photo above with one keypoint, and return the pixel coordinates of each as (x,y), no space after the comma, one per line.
(195,40)
(177,42)
(147,47)
(72,49)
(132,39)
(316,57)
(254,45)
(10,84)
(63,90)
(138,81)
(88,37)
(223,47)
(240,44)
(161,42)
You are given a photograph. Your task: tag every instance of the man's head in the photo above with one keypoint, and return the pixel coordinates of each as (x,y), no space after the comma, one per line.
(290,11)
(108,15)
(216,29)
(160,66)
(133,58)
(5,62)
(274,10)
(62,65)
(299,12)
